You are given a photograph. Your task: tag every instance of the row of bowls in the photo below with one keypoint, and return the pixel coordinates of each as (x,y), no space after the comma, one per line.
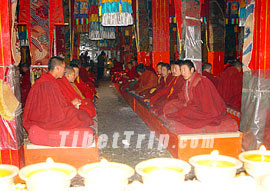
(156,173)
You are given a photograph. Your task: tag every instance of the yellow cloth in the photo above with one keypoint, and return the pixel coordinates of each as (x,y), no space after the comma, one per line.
(77,90)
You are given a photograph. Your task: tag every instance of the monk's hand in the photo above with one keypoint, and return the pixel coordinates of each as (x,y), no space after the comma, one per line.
(76,101)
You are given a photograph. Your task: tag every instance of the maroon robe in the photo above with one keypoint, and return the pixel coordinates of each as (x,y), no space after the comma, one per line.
(211,77)
(47,108)
(147,80)
(171,92)
(25,86)
(70,93)
(87,91)
(162,84)
(230,87)
(198,105)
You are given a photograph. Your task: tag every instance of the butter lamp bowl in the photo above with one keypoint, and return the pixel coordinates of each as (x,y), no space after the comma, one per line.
(48,176)
(215,169)
(7,175)
(255,162)
(106,175)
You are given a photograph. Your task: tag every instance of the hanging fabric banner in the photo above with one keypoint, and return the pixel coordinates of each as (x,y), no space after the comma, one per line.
(115,12)
(81,8)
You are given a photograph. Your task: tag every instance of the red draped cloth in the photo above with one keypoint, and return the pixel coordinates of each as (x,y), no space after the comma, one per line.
(87,91)
(87,77)
(25,86)
(211,77)
(47,108)
(230,87)
(70,93)
(147,80)
(198,109)
(171,92)
(163,83)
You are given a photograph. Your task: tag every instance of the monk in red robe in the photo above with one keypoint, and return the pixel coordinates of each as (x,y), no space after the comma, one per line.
(87,91)
(230,85)
(46,106)
(163,81)
(199,108)
(72,92)
(25,82)
(147,79)
(171,92)
(206,71)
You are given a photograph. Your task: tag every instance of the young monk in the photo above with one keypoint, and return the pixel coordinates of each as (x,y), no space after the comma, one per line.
(73,94)
(163,81)
(171,92)
(46,106)
(199,108)
(230,85)
(147,79)
(206,71)
(88,92)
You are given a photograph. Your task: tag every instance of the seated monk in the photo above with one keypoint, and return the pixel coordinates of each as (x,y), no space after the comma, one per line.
(88,92)
(146,81)
(206,71)
(158,100)
(46,106)
(73,94)
(230,85)
(199,108)
(163,81)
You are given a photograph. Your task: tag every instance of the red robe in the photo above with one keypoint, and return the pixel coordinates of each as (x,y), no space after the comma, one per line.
(25,86)
(171,92)
(87,77)
(70,93)
(230,87)
(162,84)
(147,80)
(47,108)
(85,89)
(211,77)
(198,105)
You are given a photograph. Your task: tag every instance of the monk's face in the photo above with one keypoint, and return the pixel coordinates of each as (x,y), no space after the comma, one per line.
(209,70)
(70,76)
(164,71)
(129,66)
(176,71)
(60,70)
(159,69)
(186,72)
(76,70)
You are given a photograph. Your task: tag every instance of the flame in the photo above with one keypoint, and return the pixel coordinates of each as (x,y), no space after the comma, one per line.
(262,149)
(214,155)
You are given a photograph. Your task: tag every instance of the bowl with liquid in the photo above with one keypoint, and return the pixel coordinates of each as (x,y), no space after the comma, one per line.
(48,176)
(7,175)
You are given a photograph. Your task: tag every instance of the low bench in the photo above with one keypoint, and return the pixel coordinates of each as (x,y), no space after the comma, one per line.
(186,146)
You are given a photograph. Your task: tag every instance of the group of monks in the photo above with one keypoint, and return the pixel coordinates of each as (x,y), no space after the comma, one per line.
(62,99)
(185,100)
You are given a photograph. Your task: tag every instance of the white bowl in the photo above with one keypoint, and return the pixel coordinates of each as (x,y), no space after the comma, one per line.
(106,176)
(255,168)
(6,181)
(214,173)
(161,173)
(44,176)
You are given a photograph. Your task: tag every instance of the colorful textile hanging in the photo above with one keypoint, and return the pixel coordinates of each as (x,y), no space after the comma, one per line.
(115,12)
(81,8)
(232,12)
(97,31)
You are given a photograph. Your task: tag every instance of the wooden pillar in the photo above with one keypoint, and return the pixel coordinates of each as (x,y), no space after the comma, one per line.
(216,34)
(161,34)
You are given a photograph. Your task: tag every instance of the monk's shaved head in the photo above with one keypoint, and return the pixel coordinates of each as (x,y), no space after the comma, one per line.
(55,61)
(69,70)
(206,66)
